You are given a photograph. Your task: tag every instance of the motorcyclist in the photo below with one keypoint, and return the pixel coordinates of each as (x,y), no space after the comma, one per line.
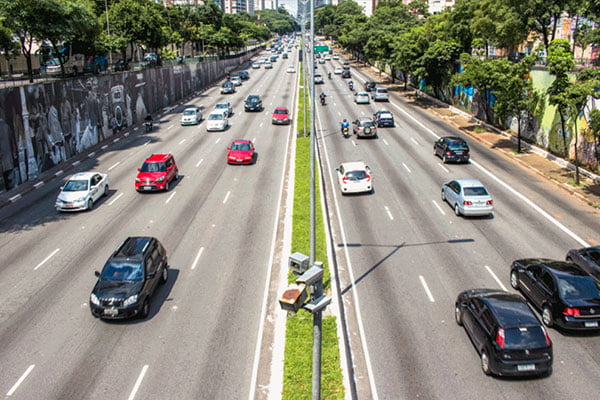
(345,127)
(148,122)
(351,85)
(329,75)
(322,96)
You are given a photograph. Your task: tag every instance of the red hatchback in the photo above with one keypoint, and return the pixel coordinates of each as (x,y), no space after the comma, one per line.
(157,172)
(241,151)
(281,116)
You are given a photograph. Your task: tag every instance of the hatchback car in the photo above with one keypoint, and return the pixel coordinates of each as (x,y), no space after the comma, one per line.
(244,75)
(450,148)
(364,127)
(369,85)
(156,173)
(227,88)
(236,80)
(82,191)
(588,260)
(361,98)
(567,296)
(268,65)
(468,197)
(281,116)
(354,177)
(224,106)
(346,74)
(241,151)
(191,116)
(384,118)
(291,69)
(129,279)
(253,103)
(338,70)
(217,120)
(319,79)
(380,94)
(506,333)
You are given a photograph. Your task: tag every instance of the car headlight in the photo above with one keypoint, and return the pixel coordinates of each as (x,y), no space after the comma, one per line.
(162,178)
(130,300)
(79,200)
(94,299)
(137,180)
(231,157)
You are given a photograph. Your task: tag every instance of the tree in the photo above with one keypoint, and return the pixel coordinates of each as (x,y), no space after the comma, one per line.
(8,45)
(437,64)
(594,130)
(481,74)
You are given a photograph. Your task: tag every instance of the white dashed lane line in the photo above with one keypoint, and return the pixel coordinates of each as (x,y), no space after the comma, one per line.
(46,259)
(115,199)
(438,207)
(226,197)
(415,140)
(21,379)
(199,162)
(389,213)
(354,143)
(218,140)
(386,143)
(170,197)
(114,165)
(444,168)
(147,143)
(195,263)
(170,126)
(182,141)
(495,277)
(138,383)
(426,288)
(406,167)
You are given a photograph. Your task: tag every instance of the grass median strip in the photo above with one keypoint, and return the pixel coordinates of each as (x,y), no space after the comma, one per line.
(298,344)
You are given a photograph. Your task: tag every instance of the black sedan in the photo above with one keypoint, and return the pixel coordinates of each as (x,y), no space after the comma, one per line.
(253,103)
(567,296)
(509,337)
(588,259)
(450,148)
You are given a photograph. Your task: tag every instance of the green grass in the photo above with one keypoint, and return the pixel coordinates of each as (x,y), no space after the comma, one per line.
(479,129)
(297,380)
(301,111)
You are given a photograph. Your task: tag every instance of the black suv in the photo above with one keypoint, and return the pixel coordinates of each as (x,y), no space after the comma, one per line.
(129,278)
(509,337)
(450,148)
(253,103)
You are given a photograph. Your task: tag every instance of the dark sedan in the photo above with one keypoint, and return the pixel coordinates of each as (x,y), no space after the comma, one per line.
(567,296)
(253,103)
(451,148)
(508,336)
(588,259)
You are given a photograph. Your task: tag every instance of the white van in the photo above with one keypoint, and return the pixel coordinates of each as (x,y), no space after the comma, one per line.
(380,94)
(217,120)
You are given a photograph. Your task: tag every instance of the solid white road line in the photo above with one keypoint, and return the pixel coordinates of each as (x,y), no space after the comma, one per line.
(387,210)
(197,258)
(21,379)
(386,143)
(199,162)
(438,207)
(431,299)
(182,141)
(444,168)
(415,140)
(495,277)
(138,383)
(170,197)
(114,165)
(226,197)
(405,166)
(115,199)
(46,259)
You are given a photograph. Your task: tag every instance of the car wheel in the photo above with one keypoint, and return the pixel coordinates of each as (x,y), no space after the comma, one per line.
(456,210)
(444,159)
(443,195)
(90,204)
(435,152)
(485,363)
(167,186)
(176,175)
(165,275)
(547,316)
(514,279)
(458,315)
(145,309)
(105,190)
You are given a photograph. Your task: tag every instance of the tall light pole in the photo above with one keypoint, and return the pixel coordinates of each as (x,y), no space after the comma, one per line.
(108,32)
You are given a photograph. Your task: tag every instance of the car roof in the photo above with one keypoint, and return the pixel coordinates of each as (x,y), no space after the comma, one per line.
(83,175)
(560,268)
(354,165)
(469,182)
(158,157)
(133,247)
(363,119)
(223,102)
(511,310)
(281,108)
(362,93)
(190,108)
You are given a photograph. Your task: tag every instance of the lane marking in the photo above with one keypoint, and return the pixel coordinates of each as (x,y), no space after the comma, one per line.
(57,173)
(254,140)
(127,133)
(218,140)
(182,141)
(353,142)
(171,126)
(114,165)
(389,213)
(21,379)
(46,259)
(495,277)
(415,140)
(226,197)
(438,207)
(406,167)
(92,154)
(197,258)
(431,299)
(39,184)
(199,162)
(14,198)
(138,383)
(104,147)
(339,113)
(115,140)
(115,199)
(147,143)
(261,124)
(76,163)
(170,197)
(386,143)
(444,168)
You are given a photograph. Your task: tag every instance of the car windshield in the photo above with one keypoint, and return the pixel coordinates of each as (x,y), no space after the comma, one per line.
(367,123)
(122,271)
(595,255)
(153,167)
(221,105)
(362,95)
(76,186)
(356,175)
(215,117)
(381,90)
(578,287)
(227,84)
(189,112)
(531,337)
(240,146)
(476,191)
(252,100)
(281,112)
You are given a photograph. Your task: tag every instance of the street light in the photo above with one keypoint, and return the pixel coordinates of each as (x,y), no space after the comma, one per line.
(108,32)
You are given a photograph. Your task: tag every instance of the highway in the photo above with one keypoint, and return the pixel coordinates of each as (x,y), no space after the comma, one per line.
(403,256)
(218,224)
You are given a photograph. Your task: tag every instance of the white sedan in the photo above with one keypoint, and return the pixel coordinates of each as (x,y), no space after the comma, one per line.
(338,70)
(291,69)
(361,98)
(191,116)
(81,191)
(354,177)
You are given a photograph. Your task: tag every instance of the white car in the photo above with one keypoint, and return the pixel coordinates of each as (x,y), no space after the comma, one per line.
(291,69)
(81,191)
(380,94)
(336,57)
(338,70)
(217,121)
(319,79)
(224,106)
(191,116)
(255,65)
(361,98)
(354,177)
(268,65)
(236,80)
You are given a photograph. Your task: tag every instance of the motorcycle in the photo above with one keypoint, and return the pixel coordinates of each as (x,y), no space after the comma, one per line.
(346,131)
(148,126)
(329,75)
(351,85)
(322,100)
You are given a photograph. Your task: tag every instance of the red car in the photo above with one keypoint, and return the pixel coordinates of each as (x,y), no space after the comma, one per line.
(157,172)
(241,151)
(281,116)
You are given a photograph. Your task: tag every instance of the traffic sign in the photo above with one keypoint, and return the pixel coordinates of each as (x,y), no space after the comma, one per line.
(321,49)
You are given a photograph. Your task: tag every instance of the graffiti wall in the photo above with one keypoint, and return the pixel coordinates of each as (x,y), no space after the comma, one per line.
(43,125)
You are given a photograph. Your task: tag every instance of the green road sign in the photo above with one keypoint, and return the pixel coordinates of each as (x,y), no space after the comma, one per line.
(321,49)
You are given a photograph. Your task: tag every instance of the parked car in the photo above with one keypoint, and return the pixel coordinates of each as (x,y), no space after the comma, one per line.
(588,259)
(450,148)
(241,151)
(224,106)
(380,94)
(82,191)
(361,98)
(217,120)
(253,103)
(281,116)
(227,88)
(354,177)
(566,295)
(384,118)
(191,116)
(468,197)
(129,279)
(506,333)
(364,127)
(156,173)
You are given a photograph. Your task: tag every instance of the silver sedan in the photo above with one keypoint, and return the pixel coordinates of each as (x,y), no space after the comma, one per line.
(81,191)
(468,197)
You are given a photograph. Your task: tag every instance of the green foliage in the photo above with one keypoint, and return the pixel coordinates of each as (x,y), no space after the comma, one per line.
(279,21)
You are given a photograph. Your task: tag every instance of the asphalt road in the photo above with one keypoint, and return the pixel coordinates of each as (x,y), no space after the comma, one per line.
(217,224)
(403,256)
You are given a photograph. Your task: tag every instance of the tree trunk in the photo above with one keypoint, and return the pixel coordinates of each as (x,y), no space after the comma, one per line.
(564,134)
(519,133)
(576,158)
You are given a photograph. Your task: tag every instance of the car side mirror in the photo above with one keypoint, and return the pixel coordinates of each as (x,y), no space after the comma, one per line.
(139,169)
(229,148)
(61,188)
(97,274)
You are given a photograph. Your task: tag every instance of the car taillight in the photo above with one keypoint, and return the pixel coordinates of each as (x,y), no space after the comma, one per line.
(490,202)
(448,153)
(368,178)
(467,203)
(500,338)
(467,153)
(572,312)
(548,341)
(344,180)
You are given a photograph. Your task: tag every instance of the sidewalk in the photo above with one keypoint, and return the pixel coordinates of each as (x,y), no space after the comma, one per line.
(531,157)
